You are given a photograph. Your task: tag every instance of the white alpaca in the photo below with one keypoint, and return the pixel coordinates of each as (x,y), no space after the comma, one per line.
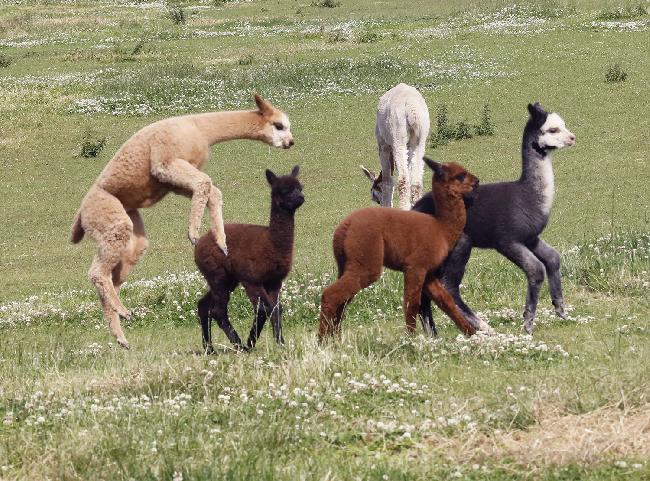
(402,128)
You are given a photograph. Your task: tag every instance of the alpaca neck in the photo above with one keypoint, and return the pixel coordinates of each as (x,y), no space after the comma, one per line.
(221,126)
(450,210)
(281,227)
(537,173)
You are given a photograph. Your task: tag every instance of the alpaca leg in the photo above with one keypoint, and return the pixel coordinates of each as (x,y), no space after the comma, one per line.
(444,301)
(273,290)
(263,307)
(215,207)
(106,221)
(336,297)
(416,168)
(551,260)
(387,186)
(400,154)
(204,307)
(136,248)
(413,282)
(220,313)
(453,271)
(426,317)
(183,175)
(521,256)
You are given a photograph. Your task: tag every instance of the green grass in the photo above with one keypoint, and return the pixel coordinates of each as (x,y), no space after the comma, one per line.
(73,405)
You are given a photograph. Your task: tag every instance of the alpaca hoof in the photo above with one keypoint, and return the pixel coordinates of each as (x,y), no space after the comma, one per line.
(123,343)
(485,328)
(242,348)
(529,326)
(561,313)
(193,240)
(126,315)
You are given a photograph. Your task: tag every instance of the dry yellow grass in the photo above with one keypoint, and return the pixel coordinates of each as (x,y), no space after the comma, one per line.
(556,439)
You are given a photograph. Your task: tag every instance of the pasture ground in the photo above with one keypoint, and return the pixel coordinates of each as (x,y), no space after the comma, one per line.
(569,403)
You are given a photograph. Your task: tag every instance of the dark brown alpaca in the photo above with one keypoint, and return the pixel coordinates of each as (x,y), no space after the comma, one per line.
(406,241)
(259,257)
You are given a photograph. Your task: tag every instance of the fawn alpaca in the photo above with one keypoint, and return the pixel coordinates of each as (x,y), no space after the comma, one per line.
(411,242)
(401,129)
(260,258)
(163,157)
(509,217)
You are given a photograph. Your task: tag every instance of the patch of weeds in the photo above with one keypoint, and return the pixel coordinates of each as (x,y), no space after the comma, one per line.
(615,263)
(485,125)
(623,13)
(246,60)
(615,73)
(463,130)
(338,36)
(176,14)
(326,3)
(5,61)
(92,144)
(369,37)
(220,3)
(128,54)
(446,130)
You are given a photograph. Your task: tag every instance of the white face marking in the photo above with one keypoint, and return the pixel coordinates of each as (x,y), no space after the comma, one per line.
(555,134)
(281,135)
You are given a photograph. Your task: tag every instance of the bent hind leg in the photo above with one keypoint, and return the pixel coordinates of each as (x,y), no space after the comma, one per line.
(106,221)
(338,295)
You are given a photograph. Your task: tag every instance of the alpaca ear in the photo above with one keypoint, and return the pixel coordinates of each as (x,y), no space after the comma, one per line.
(536,110)
(295,170)
(263,105)
(438,169)
(270,177)
(370,174)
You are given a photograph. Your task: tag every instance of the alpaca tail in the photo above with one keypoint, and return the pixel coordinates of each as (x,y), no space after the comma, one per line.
(338,247)
(76,231)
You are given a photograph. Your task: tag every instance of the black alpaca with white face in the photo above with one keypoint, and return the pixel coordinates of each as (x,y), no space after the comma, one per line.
(509,217)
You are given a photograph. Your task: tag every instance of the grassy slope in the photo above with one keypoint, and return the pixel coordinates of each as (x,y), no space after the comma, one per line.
(514,393)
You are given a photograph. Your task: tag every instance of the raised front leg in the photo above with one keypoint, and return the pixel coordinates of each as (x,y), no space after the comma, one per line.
(521,256)
(444,301)
(453,271)
(183,175)
(551,260)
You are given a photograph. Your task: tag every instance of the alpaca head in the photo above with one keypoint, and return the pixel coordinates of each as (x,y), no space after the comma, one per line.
(276,128)
(453,178)
(286,191)
(375,190)
(549,129)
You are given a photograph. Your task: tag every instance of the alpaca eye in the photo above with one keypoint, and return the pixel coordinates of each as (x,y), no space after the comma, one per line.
(460,177)
(554,130)
(278,125)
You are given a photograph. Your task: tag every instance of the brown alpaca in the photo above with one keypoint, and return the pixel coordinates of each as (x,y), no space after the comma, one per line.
(260,258)
(406,241)
(163,157)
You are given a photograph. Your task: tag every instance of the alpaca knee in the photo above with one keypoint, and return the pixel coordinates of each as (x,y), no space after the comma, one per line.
(553,261)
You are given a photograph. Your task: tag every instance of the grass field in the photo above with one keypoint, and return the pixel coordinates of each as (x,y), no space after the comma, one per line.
(570,403)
